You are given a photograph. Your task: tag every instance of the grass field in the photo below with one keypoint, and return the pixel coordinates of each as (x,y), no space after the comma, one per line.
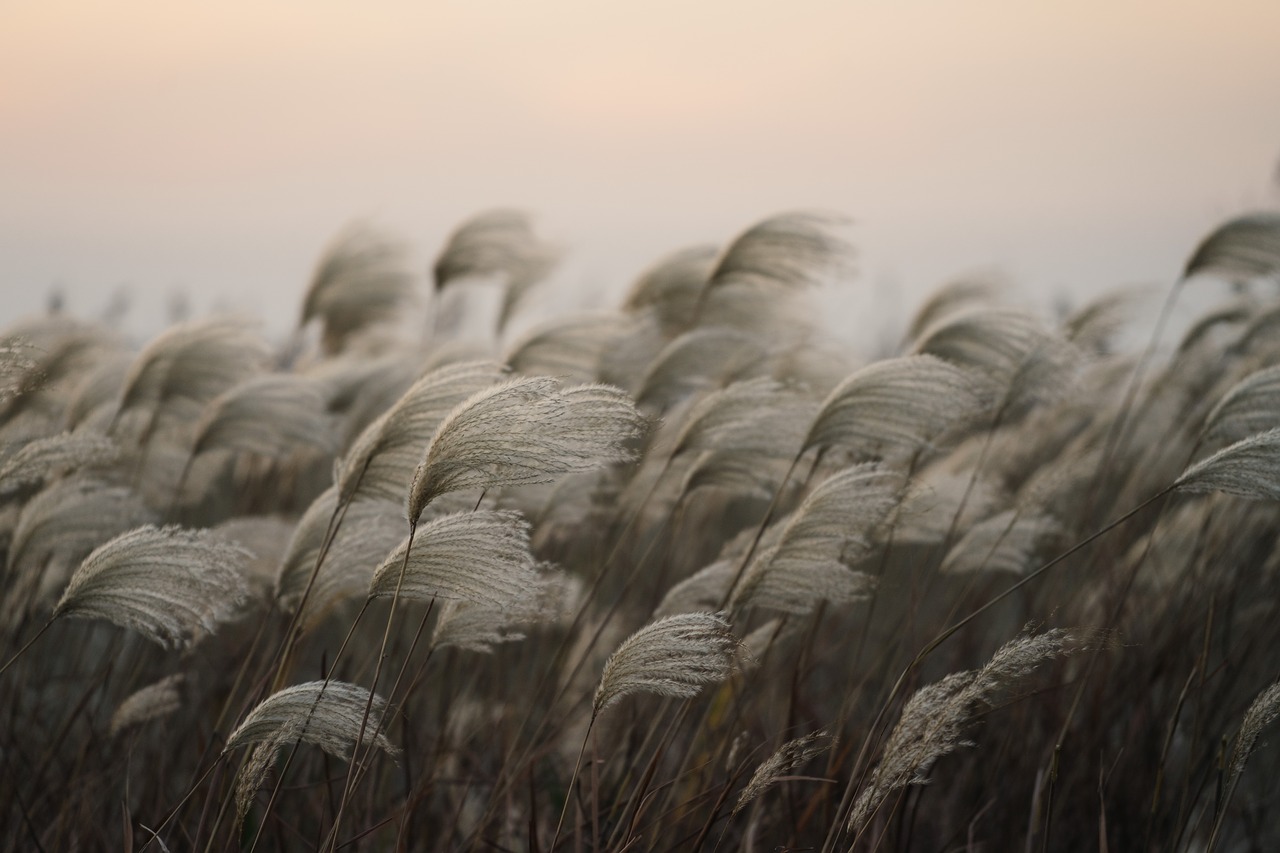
(680,575)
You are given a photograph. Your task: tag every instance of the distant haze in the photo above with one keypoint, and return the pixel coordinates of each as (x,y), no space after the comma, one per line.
(213,149)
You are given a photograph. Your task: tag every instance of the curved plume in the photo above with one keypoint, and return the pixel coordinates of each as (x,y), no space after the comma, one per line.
(150,703)
(568,348)
(268,415)
(40,459)
(701,359)
(674,656)
(360,280)
(790,756)
(787,251)
(480,556)
(900,404)
(670,289)
(168,584)
(521,432)
(188,365)
(380,457)
(1250,468)
(1245,247)
(1251,406)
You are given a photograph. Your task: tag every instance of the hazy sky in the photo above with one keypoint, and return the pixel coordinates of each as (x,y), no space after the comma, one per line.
(216,147)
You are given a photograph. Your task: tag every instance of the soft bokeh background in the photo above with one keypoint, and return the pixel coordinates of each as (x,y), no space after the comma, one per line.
(212,149)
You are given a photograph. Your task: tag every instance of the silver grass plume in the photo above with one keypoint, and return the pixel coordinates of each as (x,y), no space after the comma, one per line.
(265,537)
(670,288)
(380,457)
(330,715)
(760,415)
(746,471)
(1263,711)
(702,591)
(522,432)
(791,755)
(1006,542)
(150,703)
(1025,362)
(480,556)
(188,365)
(674,656)
(787,251)
(268,415)
(1251,406)
(702,359)
(570,348)
(479,628)
(496,243)
(900,404)
(935,718)
(70,518)
(1093,327)
(1245,247)
(830,529)
(1250,468)
(168,584)
(43,458)
(952,298)
(360,280)
(369,530)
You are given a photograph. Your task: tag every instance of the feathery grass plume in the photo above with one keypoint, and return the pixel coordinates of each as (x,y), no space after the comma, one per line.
(68,519)
(524,431)
(1093,327)
(360,280)
(92,397)
(704,358)
(831,528)
(760,415)
(1250,468)
(380,457)
(330,715)
(39,358)
(1264,711)
(1243,248)
(935,718)
(791,755)
(953,298)
(569,348)
(188,365)
(702,591)
(370,529)
(479,628)
(1251,406)
(1006,542)
(18,362)
(746,472)
(169,584)
(150,703)
(496,243)
(265,538)
(670,288)
(1025,362)
(45,457)
(897,405)
(787,251)
(674,656)
(268,415)
(480,556)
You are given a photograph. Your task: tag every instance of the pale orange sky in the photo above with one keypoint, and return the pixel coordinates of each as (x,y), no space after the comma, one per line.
(216,147)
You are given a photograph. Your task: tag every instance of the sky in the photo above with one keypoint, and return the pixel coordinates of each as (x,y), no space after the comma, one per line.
(213,149)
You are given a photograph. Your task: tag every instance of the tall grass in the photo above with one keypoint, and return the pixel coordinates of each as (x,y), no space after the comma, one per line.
(682,575)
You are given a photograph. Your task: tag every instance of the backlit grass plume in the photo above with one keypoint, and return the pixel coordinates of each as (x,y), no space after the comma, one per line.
(38,460)
(481,627)
(150,703)
(1251,406)
(521,432)
(935,718)
(360,280)
(380,458)
(1245,247)
(169,584)
(188,365)
(787,251)
(791,755)
(480,556)
(1264,711)
(831,528)
(674,656)
(898,405)
(330,715)
(1250,468)
(269,415)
